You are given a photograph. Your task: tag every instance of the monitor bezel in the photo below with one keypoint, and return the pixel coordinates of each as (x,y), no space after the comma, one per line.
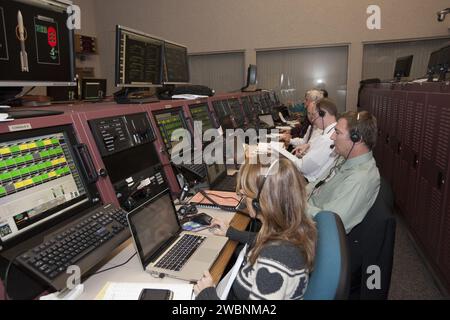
(54,217)
(252,72)
(180,111)
(50,5)
(203,104)
(119,29)
(399,60)
(165,66)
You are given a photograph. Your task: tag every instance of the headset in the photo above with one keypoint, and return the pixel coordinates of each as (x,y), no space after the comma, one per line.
(355,135)
(255,202)
(187,210)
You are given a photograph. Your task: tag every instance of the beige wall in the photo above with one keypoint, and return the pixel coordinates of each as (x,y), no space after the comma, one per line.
(222,25)
(89,28)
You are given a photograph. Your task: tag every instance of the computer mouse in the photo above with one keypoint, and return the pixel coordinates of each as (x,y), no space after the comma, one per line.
(203,219)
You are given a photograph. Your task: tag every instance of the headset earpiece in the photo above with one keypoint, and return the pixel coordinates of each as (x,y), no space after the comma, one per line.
(256,205)
(322,113)
(355,136)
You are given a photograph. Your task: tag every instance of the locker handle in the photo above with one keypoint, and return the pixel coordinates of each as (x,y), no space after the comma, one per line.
(399,148)
(441,180)
(388,139)
(416,161)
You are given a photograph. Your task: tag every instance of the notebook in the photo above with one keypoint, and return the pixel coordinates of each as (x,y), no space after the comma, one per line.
(164,249)
(228,201)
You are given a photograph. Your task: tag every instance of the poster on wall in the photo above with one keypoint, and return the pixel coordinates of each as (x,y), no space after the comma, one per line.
(47,40)
(3,41)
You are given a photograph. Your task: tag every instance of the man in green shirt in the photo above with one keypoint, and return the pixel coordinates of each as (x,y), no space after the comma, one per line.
(352,185)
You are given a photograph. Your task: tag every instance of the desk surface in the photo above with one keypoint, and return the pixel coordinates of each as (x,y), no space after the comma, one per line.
(133,271)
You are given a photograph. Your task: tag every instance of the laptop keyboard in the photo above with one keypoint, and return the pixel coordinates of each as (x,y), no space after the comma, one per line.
(180,253)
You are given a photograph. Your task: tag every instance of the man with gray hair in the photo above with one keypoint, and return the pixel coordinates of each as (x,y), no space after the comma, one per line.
(311,99)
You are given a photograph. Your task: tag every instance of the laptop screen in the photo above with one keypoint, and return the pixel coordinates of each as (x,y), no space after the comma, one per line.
(267,119)
(153,225)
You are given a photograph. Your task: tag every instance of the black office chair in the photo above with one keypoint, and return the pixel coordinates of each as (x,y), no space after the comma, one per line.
(371,243)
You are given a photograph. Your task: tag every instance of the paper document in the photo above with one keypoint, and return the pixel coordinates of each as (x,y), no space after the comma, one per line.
(188,96)
(224,286)
(283,128)
(131,291)
(281,150)
(282,118)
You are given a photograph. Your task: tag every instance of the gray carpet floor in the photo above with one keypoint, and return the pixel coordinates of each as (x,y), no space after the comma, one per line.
(411,279)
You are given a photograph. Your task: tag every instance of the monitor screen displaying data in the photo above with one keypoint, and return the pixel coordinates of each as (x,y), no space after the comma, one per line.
(175,63)
(138,59)
(39,179)
(237,112)
(200,113)
(36,46)
(168,122)
(221,108)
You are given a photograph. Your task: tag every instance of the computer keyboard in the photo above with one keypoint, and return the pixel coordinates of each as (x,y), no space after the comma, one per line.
(199,170)
(180,253)
(84,243)
(227,184)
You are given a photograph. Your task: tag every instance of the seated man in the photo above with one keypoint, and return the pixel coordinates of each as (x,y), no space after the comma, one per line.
(351,186)
(317,156)
(311,97)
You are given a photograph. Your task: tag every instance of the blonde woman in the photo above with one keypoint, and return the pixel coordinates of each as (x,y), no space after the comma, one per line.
(281,254)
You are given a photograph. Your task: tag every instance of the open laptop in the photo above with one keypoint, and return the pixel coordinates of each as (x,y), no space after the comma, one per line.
(164,248)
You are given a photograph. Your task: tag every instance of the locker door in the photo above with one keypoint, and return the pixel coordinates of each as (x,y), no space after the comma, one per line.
(415,110)
(444,248)
(388,155)
(378,152)
(433,172)
(400,171)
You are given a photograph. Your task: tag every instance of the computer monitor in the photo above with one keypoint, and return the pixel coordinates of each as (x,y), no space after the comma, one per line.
(248,108)
(265,106)
(168,121)
(237,112)
(176,68)
(257,106)
(251,79)
(444,62)
(139,59)
(42,182)
(221,108)
(433,63)
(201,113)
(403,67)
(252,74)
(36,46)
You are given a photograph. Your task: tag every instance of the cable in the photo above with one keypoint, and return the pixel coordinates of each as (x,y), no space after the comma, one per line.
(8,268)
(222,207)
(334,168)
(229,198)
(120,265)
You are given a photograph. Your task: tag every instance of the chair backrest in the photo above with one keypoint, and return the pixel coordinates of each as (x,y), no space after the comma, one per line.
(371,243)
(330,279)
